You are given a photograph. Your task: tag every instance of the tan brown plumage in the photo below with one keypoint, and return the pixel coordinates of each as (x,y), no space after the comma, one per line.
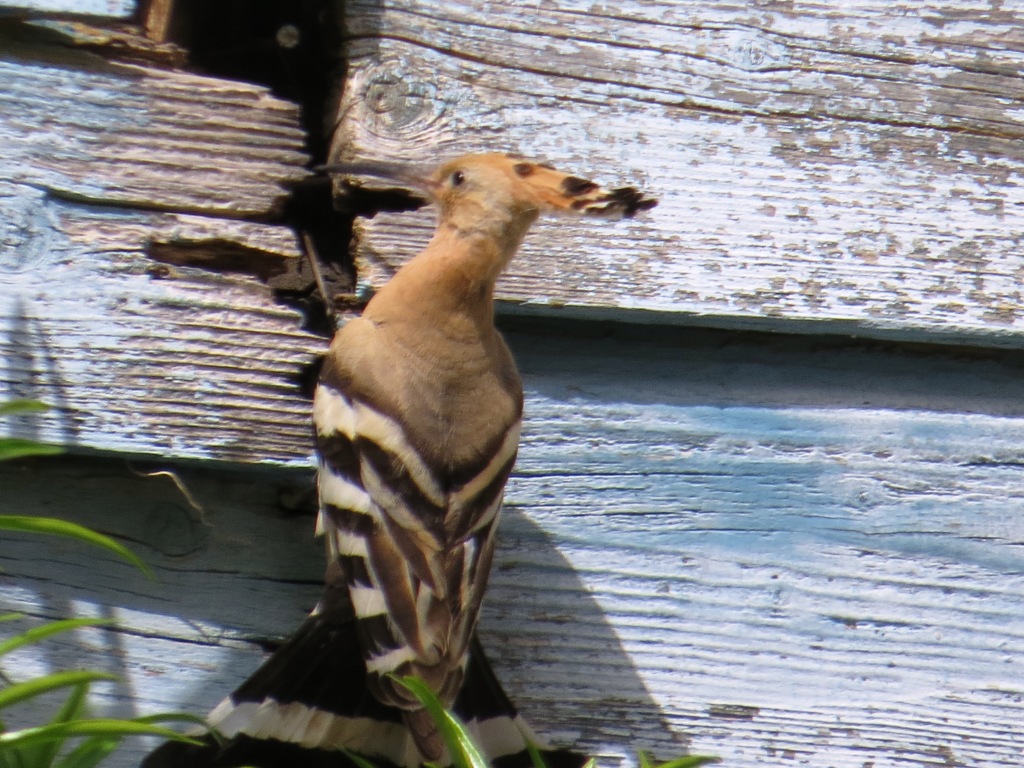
(417,417)
(427,396)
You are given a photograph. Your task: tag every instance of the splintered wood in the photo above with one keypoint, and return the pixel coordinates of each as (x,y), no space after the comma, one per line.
(108,172)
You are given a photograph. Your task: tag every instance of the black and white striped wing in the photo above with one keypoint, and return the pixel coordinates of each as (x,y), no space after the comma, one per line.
(416,551)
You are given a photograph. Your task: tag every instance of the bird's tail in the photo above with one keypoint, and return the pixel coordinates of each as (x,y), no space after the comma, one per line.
(310,701)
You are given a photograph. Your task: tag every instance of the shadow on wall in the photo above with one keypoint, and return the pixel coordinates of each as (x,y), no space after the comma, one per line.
(230,585)
(708,502)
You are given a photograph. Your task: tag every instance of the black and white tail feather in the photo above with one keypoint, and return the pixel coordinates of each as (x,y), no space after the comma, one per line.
(310,700)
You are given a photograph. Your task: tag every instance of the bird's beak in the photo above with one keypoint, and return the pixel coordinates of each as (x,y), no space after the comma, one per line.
(405,173)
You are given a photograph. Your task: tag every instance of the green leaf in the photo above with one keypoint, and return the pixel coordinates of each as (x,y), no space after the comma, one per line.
(11,616)
(98,727)
(74,706)
(687,761)
(12,407)
(11,758)
(359,760)
(465,754)
(178,717)
(19,448)
(49,525)
(37,686)
(36,634)
(89,753)
(44,754)
(535,756)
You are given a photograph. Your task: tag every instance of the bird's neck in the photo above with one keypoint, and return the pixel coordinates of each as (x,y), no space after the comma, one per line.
(451,282)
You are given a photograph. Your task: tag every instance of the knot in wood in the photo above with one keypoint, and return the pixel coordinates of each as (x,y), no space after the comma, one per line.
(396,102)
(755,52)
(24,233)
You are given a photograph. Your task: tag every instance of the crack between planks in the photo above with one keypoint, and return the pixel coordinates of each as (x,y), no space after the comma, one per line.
(271,215)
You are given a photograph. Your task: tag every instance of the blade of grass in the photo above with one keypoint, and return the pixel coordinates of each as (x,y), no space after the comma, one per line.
(74,706)
(89,753)
(359,760)
(52,526)
(72,709)
(11,758)
(535,756)
(464,752)
(36,634)
(690,761)
(19,448)
(37,686)
(687,761)
(178,717)
(97,727)
(13,407)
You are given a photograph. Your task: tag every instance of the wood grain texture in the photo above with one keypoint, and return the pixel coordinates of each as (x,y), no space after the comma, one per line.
(140,357)
(119,9)
(118,184)
(124,135)
(778,552)
(846,167)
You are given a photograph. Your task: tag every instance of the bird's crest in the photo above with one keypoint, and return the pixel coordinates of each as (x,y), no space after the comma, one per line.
(572,194)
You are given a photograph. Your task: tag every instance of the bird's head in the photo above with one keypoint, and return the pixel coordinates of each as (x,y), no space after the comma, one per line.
(501,195)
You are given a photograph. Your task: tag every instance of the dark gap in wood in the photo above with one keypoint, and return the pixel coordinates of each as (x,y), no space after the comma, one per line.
(295,50)
(292,48)
(308,376)
(326,213)
(359,200)
(671,333)
(809,371)
(220,256)
(311,209)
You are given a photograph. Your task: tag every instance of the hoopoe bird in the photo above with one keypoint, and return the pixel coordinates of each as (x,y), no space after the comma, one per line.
(417,415)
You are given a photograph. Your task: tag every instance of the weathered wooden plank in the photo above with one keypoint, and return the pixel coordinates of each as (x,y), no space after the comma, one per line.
(140,357)
(79,127)
(770,549)
(850,166)
(118,9)
(117,184)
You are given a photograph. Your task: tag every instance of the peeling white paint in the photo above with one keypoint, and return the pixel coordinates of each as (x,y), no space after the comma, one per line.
(863,172)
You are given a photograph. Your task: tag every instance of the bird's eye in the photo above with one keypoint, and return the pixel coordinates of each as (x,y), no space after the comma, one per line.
(457,178)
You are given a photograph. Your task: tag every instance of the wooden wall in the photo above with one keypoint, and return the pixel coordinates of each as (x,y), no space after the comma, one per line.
(835,167)
(750,517)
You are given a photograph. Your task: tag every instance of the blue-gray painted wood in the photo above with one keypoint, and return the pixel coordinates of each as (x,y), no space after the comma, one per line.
(768,549)
(118,9)
(817,163)
(102,165)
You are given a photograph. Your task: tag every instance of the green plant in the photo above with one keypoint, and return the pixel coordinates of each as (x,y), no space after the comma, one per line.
(46,746)
(466,754)
(50,744)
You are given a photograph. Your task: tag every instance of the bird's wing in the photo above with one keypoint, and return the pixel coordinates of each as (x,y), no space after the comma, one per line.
(415,548)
